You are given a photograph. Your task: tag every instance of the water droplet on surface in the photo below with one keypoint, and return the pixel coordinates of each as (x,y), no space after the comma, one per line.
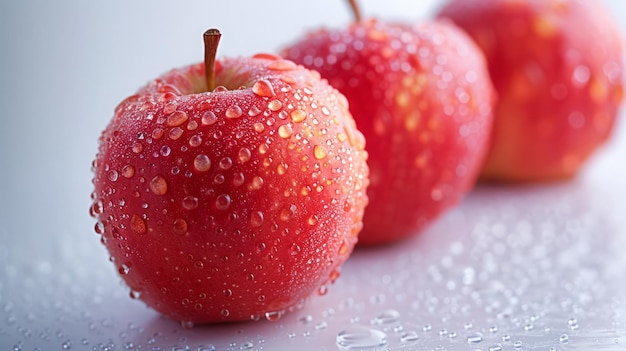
(274,315)
(282,65)
(275,105)
(202,163)
(128,171)
(158,185)
(176,133)
(319,152)
(263,88)
(244,155)
(137,224)
(285,131)
(180,226)
(113,175)
(256,219)
(360,338)
(225,312)
(475,338)
(409,336)
(124,269)
(234,112)
(222,202)
(298,116)
(294,249)
(564,338)
(208,118)
(226,163)
(176,119)
(387,317)
(190,202)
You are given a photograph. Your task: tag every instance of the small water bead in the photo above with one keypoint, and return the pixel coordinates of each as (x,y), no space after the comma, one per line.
(256,219)
(222,202)
(496,347)
(254,111)
(226,163)
(275,105)
(123,269)
(320,152)
(256,183)
(180,226)
(360,338)
(234,112)
(195,140)
(190,202)
(475,338)
(273,316)
(176,133)
(225,312)
(258,127)
(135,294)
(409,337)
(158,185)
(137,148)
(518,345)
(208,118)
(137,224)
(113,175)
(263,88)
(387,317)
(285,131)
(238,179)
(282,65)
(202,163)
(244,155)
(128,171)
(294,249)
(176,119)
(564,338)
(298,115)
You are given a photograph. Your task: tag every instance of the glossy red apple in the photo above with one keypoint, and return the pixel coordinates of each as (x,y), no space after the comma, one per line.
(558,68)
(230,190)
(421,95)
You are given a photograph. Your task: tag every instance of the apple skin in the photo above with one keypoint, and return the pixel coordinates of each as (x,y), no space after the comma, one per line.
(422,97)
(234,204)
(558,69)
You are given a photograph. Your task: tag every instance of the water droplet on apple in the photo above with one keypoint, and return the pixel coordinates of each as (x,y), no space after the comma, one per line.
(256,219)
(285,131)
(282,65)
(294,249)
(123,269)
(195,140)
(137,147)
(128,171)
(158,185)
(226,163)
(238,179)
(137,224)
(274,316)
(319,152)
(190,202)
(176,119)
(234,112)
(256,183)
(208,118)
(222,202)
(244,155)
(274,105)
(263,88)
(180,226)
(258,127)
(202,163)
(298,116)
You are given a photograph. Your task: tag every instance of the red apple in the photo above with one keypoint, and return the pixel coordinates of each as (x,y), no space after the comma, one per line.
(558,69)
(230,190)
(421,95)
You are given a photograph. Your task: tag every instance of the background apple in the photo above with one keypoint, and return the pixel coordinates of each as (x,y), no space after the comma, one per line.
(558,67)
(422,96)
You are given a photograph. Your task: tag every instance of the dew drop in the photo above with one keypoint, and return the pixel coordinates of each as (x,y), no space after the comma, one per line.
(137,224)
(158,185)
(176,119)
(288,212)
(256,219)
(294,249)
(256,183)
(298,116)
(285,131)
(202,163)
(319,152)
(475,338)
(409,337)
(123,269)
(234,112)
(137,148)
(275,105)
(113,175)
(360,338)
(273,316)
(99,227)
(128,171)
(238,179)
(226,163)
(208,118)
(258,127)
(254,111)
(564,338)
(180,226)
(387,317)
(135,294)
(222,202)
(263,88)
(282,65)
(190,202)
(195,140)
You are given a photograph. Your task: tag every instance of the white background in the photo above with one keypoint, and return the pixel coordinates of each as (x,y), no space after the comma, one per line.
(65,65)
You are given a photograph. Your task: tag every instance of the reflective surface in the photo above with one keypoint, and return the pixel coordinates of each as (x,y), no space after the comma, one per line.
(538,267)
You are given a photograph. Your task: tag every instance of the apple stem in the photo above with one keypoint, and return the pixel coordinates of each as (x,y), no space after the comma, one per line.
(355,11)
(211,41)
